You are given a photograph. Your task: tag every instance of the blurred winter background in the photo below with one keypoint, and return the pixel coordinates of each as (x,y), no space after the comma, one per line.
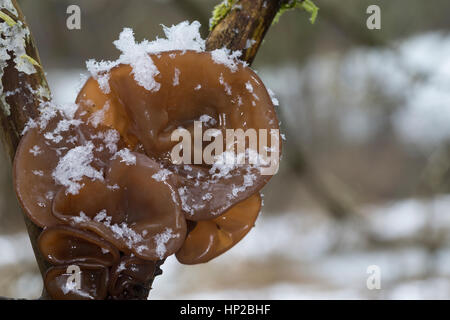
(365,173)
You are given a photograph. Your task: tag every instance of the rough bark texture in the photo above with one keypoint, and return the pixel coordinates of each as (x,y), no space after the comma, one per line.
(244,27)
(250,20)
(22,106)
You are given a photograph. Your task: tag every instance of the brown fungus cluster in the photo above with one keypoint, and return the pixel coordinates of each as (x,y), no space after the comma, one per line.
(102,185)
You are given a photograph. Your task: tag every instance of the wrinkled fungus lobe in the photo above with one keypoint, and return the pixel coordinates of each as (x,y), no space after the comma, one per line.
(130,278)
(93,283)
(65,245)
(102,181)
(210,238)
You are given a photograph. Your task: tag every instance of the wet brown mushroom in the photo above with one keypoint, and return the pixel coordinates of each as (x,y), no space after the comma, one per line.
(209,239)
(230,97)
(60,282)
(126,192)
(65,245)
(131,209)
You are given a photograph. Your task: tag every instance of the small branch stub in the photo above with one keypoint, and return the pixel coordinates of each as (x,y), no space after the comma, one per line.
(244,26)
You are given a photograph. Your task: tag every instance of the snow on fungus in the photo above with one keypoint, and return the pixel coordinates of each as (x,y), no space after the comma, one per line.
(97,175)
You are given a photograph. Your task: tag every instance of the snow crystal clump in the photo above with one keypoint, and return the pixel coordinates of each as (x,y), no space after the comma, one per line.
(121,267)
(63,126)
(249,180)
(226,85)
(36,150)
(208,119)
(47,111)
(122,231)
(184,200)
(13,44)
(38,173)
(250,43)
(136,55)
(99,116)
(49,195)
(225,163)
(127,156)
(81,218)
(249,87)
(161,240)
(131,237)
(183,36)
(74,166)
(67,109)
(227,57)
(8,5)
(111,137)
(207,196)
(100,72)
(161,175)
(102,216)
(272,96)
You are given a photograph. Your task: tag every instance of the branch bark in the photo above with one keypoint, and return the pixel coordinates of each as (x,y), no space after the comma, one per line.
(244,27)
(19,101)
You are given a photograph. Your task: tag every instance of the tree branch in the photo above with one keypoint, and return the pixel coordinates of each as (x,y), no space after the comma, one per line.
(20,96)
(244,27)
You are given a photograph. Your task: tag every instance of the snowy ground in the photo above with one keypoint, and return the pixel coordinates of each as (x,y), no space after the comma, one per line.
(297,255)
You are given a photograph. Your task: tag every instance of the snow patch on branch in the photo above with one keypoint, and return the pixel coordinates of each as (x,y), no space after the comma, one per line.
(13,46)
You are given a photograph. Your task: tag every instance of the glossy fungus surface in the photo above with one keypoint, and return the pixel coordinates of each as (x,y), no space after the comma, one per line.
(101,179)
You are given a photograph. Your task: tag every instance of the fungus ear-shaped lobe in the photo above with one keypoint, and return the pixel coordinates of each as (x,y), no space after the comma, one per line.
(205,197)
(36,158)
(192,85)
(94,282)
(33,180)
(210,238)
(94,197)
(131,209)
(131,278)
(153,205)
(97,108)
(65,245)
